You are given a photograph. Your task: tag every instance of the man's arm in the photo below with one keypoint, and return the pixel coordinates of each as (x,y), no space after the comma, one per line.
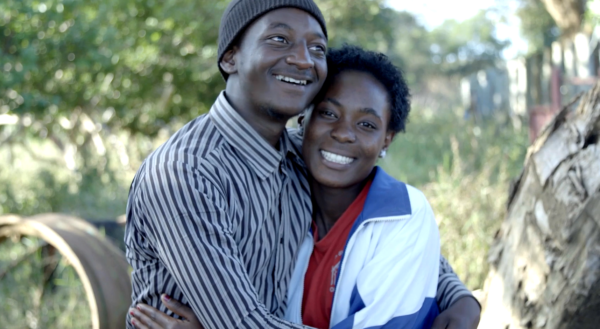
(187,218)
(459,308)
(450,288)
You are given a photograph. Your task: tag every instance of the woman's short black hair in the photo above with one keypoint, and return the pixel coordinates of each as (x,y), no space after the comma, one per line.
(379,65)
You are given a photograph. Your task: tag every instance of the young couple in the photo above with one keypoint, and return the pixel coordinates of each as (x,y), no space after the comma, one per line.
(225,218)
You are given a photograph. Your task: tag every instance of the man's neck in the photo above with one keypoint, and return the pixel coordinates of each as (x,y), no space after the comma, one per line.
(268,125)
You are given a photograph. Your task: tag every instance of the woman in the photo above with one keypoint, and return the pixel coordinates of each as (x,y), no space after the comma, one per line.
(371,258)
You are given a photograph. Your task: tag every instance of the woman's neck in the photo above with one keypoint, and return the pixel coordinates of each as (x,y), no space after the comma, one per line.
(330,203)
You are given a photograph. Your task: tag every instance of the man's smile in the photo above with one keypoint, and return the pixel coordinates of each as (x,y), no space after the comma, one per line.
(291,80)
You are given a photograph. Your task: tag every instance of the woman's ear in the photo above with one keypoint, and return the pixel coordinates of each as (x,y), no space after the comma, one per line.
(389,137)
(228,61)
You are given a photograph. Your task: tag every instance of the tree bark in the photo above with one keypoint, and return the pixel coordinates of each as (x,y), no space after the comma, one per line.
(567,14)
(545,260)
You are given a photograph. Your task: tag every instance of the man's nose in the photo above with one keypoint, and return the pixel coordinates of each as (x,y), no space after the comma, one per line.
(300,57)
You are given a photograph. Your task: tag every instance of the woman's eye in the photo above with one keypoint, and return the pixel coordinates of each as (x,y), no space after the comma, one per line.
(327,114)
(368,125)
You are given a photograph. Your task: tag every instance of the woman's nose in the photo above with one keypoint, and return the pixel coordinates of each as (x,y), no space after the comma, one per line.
(343,133)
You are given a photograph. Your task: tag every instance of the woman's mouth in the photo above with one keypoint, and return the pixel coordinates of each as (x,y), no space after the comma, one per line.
(336,158)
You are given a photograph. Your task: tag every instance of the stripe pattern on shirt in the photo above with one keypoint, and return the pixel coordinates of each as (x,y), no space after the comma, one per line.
(450,288)
(215,218)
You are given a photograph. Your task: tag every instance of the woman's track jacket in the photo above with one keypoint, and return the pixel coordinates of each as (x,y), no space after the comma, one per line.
(388,274)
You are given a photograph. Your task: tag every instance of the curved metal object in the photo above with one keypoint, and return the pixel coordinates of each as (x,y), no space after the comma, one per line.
(100,265)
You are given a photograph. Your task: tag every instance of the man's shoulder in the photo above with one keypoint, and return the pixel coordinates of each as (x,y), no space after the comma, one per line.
(193,147)
(193,142)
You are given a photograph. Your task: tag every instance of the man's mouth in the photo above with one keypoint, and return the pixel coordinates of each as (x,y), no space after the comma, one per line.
(291,80)
(336,158)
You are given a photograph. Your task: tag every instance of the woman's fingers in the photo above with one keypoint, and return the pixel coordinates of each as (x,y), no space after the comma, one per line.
(138,319)
(176,307)
(151,318)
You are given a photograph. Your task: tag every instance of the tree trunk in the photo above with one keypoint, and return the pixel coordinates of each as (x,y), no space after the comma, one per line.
(545,260)
(567,14)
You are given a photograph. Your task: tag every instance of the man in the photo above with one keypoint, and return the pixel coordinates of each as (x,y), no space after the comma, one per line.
(216,215)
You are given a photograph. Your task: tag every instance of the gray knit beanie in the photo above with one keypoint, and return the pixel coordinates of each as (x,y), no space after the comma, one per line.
(240,13)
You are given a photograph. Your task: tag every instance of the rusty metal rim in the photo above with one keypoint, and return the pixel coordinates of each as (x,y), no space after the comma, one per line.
(76,239)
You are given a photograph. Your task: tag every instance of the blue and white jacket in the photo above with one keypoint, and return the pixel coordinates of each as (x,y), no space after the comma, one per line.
(388,274)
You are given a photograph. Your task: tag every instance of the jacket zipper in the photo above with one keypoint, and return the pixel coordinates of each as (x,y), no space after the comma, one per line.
(347,248)
(302,281)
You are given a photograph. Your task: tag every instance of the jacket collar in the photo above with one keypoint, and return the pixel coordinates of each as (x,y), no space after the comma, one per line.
(387,197)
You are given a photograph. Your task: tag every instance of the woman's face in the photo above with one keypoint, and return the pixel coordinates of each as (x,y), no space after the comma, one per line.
(347,130)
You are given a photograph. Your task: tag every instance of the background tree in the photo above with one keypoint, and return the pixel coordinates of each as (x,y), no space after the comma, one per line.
(568,14)
(538,28)
(546,257)
(462,48)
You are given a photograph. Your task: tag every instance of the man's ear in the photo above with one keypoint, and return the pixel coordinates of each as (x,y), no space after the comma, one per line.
(304,117)
(228,61)
(301,119)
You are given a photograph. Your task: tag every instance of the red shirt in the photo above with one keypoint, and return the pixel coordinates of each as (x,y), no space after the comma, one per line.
(319,281)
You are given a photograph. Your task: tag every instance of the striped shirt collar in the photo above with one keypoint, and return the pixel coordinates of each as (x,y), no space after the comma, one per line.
(260,155)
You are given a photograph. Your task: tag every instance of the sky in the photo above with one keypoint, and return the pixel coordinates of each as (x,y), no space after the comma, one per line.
(433,12)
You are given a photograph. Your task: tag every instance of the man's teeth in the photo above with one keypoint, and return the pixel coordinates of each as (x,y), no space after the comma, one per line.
(336,158)
(290,80)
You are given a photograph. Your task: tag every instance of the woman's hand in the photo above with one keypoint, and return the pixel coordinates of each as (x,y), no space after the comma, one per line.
(147,317)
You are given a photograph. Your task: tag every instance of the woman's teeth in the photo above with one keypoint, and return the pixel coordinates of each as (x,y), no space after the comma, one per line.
(336,158)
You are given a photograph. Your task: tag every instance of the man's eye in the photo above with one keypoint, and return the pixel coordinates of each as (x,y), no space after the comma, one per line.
(279,39)
(318,48)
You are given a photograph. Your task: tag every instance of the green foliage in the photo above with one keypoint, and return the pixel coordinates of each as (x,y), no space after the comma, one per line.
(466,47)
(133,65)
(366,23)
(465,171)
(29,185)
(592,14)
(39,289)
(537,26)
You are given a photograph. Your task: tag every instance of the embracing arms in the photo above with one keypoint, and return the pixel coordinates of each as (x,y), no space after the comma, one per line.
(181,217)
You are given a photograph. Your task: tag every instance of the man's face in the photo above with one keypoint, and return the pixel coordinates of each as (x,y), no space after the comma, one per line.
(280,62)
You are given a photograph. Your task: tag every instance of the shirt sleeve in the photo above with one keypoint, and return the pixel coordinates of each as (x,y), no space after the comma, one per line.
(187,220)
(396,288)
(450,288)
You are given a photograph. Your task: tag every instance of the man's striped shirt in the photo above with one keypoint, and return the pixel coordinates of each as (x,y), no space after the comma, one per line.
(215,218)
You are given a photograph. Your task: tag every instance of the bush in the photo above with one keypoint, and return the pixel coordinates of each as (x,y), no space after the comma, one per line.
(465,170)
